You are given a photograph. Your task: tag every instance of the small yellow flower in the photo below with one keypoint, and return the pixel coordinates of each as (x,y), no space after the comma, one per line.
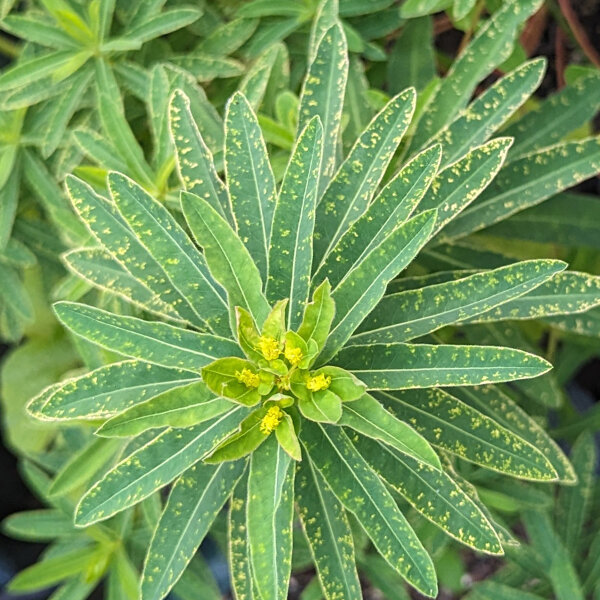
(283,383)
(269,347)
(318,382)
(293,355)
(271,420)
(248,378)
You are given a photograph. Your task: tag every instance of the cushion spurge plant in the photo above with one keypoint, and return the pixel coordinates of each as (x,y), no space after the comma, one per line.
(275,363)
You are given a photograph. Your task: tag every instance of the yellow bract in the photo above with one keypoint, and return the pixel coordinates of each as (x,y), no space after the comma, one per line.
(293,355)
(271,420)
(248,378)
(269,347)
(318,382)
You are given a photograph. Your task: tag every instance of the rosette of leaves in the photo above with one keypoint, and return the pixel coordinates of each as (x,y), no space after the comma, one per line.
(282,371)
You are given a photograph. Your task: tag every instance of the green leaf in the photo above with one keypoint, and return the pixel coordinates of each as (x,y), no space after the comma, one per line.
(36,29)
(356,103)
(161,24)
(194,160)
(587,324)
(287,438)
(490,590)
(410,314)
(490,110)
(172,249)
(492,45)
(228,37)
(318,316)
(526,182)
(223,378)
(432,493)
(361,491)
(14,294)
(362,288)
(250,180)
(30,71)
(418,8)
(560,114)
(461,8)
(268,8)
(323,94)
(38,525)
(228,259)
(407,366)
(269,518)
(206,67)
(181,407)
(350,191)
(455,427)
(367,416)
(322,407)
(153,342)
(153,466)
(108,228)
(393,205)
(255,82)
(290,248)
(328,533)
(195,501)
(107,391)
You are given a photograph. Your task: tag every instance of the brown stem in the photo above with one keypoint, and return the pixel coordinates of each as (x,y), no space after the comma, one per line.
(534,30)
(578,31)
(560,57)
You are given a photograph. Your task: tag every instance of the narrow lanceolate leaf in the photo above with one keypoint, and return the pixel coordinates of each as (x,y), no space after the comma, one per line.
(250,180)
(566,293)
(108,227)
(180,407)
(290,250)
(97,267)
(328,533)
(492,44)
(228,259)
(458,185)
(526,182)
(160,233)
(194,502)
(38,525)
(457,428)
(393,205)
(153,466)
(323,95)
(433,493)
(489,111)
(361,491)
(194,159)
(109,390)
(587,323)
(494,403)
(150,341)
(408,366)
(353,186)
(362,288)
(367,416)
(269,518)
(407,315)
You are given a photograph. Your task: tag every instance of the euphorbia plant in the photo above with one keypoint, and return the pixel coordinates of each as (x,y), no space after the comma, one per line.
(281,370)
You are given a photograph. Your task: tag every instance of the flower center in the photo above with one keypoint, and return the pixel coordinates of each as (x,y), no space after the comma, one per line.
(271,420)
(293,355)
(269,347)
(318,382)
(248,378)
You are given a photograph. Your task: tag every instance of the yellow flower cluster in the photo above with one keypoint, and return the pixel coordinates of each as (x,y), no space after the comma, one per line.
(271,420)
(248,378)
(318,382)
(293,355)
(269,347)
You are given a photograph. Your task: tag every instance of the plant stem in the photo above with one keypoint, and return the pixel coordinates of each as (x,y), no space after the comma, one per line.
(579,32)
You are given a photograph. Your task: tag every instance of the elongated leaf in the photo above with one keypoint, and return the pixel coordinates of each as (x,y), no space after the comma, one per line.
(490,590)
(323,94)
(417,8)
(353,186)
(328,533)
(14,294)
(269,518)
(492,44)
(290,249)
(367,416)
(194,160)
(526,182)
(362,288)
(153,342)
(153,466)
(490,110)
(494,403)
(434,495)
(407,315)
(566,293)
(587,323)
(172,249)
(206,67)
(38,525)
(455,427)
(34,28)
(108,228)
(393,205)
(228,259)
(98,268)
(181,407)
(194,502)
(408,366)
(108,390)
(361,491)
(163,23)
(32,70)
(250,180)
